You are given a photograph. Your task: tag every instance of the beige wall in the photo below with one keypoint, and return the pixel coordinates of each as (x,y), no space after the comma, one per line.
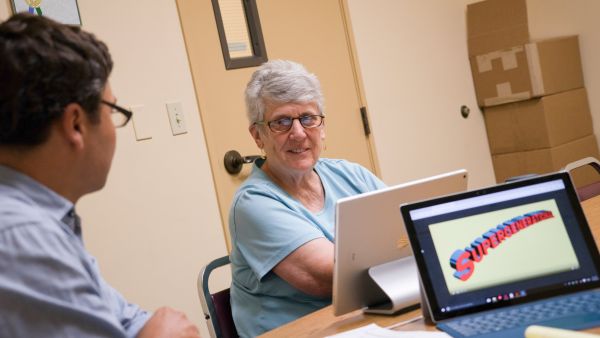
(156,222)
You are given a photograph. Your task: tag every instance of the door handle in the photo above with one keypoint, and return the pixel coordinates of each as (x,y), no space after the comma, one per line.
(233,161)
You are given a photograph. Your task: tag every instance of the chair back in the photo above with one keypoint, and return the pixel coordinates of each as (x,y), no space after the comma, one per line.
(588,191)
(591,190)
(216,306)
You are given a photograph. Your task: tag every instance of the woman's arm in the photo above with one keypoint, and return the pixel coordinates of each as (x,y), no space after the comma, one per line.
(309,268)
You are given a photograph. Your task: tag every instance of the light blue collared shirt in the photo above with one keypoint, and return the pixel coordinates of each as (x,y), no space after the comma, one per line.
(50,286)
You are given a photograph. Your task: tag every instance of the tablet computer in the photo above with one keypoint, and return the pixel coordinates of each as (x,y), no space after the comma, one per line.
(369,232)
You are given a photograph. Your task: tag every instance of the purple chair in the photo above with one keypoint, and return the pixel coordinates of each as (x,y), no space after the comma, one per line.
(216,306)
(588,191)
(591,190)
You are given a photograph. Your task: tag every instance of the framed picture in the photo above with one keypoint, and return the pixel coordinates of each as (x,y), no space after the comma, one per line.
(240,33)
(64,11)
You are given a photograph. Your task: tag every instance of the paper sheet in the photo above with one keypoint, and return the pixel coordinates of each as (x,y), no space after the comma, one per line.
(376,331)
(535,331)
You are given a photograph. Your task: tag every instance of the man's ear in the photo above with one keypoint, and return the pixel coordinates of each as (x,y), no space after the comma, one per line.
(72,125)
(256,135)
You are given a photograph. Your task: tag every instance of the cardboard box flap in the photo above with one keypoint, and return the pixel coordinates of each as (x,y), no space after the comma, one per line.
(538,123)
(548,160)
(496,24)
(563,56)
(528,70)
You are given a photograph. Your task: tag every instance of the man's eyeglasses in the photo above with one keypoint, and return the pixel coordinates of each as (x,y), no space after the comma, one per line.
(119,115)
(285,123)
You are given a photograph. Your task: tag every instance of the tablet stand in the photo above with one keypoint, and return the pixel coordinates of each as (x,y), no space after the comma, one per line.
(425,307)
(398,281)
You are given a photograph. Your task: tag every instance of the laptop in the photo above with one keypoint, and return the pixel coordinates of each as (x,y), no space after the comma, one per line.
(369,232)
(496,260)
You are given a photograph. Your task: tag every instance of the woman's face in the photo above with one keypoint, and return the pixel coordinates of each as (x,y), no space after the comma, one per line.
(297,149)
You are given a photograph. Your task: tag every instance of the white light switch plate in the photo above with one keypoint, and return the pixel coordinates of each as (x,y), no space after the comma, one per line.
(176,118)
(142,125)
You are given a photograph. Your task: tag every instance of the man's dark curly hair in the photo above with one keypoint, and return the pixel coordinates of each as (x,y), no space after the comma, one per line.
(44,66)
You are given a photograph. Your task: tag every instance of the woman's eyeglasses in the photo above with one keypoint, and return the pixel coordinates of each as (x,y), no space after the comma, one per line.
(285,123)
(119,115)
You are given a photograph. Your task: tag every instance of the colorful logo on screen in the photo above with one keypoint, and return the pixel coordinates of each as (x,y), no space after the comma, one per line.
(464,260)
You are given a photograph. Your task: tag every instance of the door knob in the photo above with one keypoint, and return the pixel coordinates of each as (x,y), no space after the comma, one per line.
(464,111)
(234,161)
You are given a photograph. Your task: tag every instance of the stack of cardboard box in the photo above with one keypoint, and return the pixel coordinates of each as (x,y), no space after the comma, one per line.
(532,93)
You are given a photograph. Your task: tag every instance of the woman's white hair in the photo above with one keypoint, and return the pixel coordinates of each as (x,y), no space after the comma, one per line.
(281,81)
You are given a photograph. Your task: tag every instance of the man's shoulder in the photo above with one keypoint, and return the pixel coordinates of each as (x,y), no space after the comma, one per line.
(17,212)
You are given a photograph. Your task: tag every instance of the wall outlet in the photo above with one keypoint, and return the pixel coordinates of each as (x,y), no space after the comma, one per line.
(176,118)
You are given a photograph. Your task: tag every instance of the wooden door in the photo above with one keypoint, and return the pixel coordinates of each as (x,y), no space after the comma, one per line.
(312,32)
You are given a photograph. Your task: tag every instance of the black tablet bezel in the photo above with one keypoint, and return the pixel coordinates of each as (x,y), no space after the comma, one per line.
(434,307)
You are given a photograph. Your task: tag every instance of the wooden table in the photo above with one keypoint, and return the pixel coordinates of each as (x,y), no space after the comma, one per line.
(323,323)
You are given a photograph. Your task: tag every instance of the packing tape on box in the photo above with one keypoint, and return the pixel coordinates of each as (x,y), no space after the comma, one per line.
(535,331)
(535,69)
(508,58)
(505,95)
(504,89)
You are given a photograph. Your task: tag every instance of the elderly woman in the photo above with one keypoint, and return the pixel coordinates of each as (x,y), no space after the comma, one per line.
(282,217)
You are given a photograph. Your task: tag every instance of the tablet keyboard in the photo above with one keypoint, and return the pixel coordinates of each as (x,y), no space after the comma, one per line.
(581,308)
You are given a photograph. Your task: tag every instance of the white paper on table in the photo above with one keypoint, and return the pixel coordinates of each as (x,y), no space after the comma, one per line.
(376,331)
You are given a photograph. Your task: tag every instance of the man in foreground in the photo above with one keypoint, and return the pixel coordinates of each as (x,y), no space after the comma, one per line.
(57,139)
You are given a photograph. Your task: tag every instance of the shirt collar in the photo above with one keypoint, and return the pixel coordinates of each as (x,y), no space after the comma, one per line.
(48,200)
